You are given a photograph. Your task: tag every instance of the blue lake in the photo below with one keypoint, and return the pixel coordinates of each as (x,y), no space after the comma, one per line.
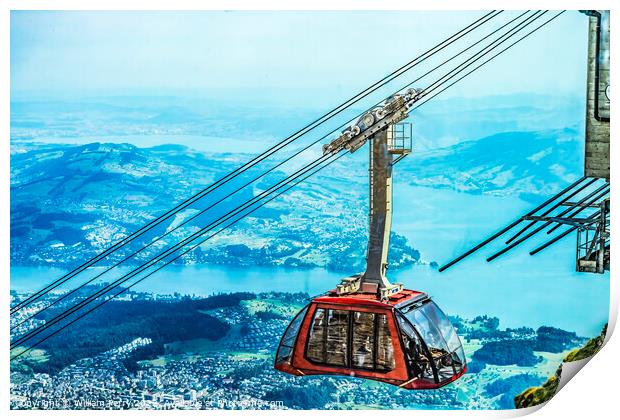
(519,289)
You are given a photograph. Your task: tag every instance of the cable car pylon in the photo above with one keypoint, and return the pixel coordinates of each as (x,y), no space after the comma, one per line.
(368,327)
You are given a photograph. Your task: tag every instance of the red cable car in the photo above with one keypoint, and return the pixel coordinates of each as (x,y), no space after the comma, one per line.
(406,341)
(368,327)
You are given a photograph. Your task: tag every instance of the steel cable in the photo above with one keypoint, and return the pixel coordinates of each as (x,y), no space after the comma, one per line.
(317,122)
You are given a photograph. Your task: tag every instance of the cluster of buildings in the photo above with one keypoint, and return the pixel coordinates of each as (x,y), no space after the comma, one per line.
(213,382)
(23,320)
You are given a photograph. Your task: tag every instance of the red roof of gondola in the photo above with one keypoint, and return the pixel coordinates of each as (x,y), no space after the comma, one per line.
(369,299)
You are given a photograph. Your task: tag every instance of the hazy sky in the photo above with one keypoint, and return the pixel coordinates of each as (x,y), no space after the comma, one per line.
(315,54)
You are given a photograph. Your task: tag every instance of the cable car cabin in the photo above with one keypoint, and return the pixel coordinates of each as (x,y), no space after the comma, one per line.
(406,341)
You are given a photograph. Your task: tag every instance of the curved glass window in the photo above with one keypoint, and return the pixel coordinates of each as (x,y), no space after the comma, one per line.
(419,361)
(427,329)
(438,318)
(316,340)
(440,338)
(287,343)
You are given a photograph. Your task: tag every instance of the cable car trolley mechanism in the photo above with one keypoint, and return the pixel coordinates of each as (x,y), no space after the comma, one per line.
(368,327)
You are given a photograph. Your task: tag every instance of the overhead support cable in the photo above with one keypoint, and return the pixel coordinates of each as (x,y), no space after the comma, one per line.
(436,67)
(495,43)
(492,58)
(254,161)
(186,221)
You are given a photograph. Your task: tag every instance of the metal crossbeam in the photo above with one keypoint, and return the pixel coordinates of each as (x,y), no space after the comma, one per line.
(596,197)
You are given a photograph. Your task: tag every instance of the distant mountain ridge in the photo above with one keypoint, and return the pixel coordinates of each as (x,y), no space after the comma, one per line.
(506,164)
(69,202)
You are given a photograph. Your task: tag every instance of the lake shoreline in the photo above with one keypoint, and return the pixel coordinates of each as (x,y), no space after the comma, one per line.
(455,293)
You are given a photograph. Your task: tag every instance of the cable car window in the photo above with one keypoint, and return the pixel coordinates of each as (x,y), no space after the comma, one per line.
(437,317)
(429,331)
(433,339)
(385,348)
(337,338)
(363,340)
(437,331)
(290,335)
(316,340)
(351,339)
(418,359)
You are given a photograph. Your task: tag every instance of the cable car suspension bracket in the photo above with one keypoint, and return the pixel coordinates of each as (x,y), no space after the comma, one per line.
(387,138)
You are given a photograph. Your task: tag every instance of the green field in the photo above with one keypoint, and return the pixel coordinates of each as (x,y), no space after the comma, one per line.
(271,305)
(35,356)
